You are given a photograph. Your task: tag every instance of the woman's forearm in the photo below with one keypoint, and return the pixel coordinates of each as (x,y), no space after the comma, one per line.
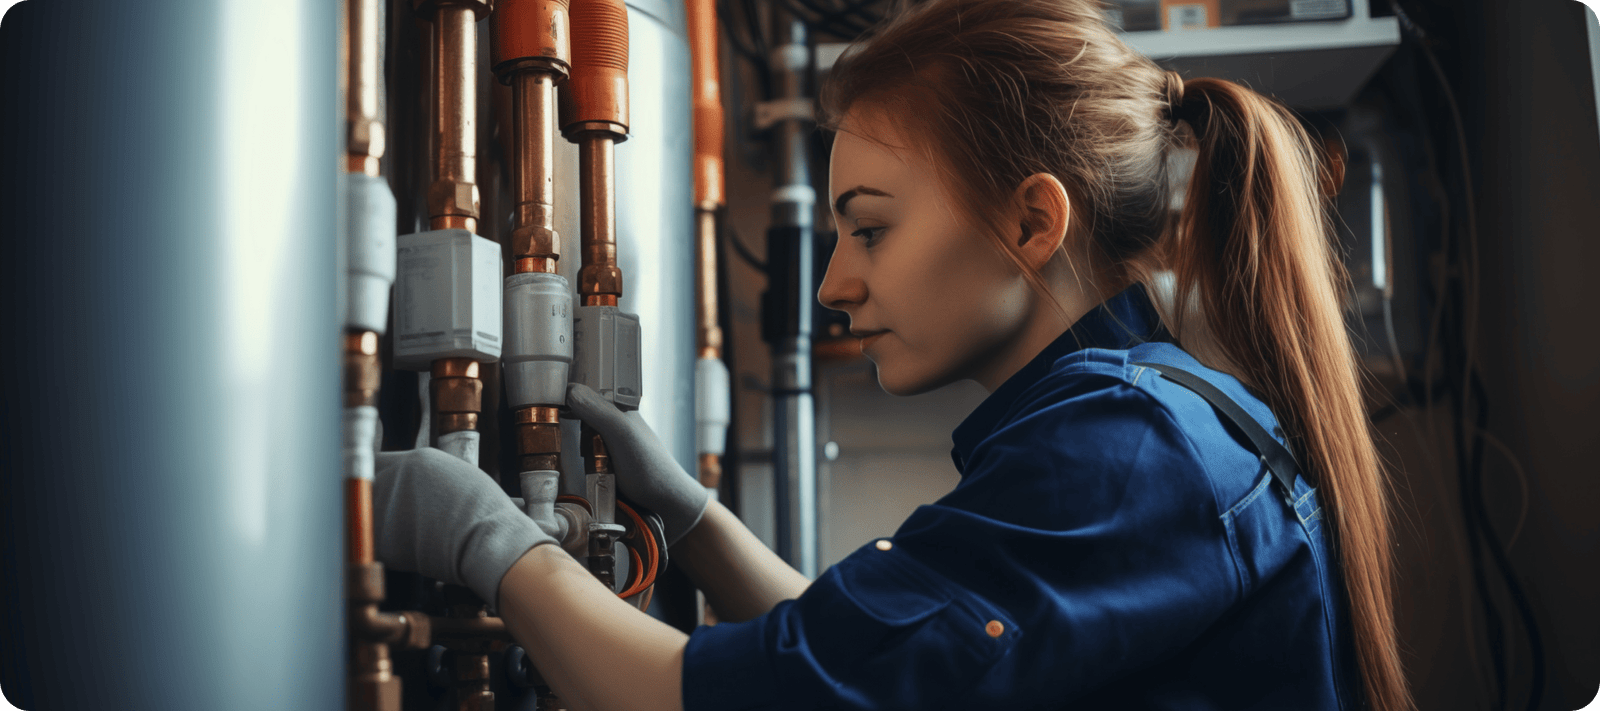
(740,576)
(579,635)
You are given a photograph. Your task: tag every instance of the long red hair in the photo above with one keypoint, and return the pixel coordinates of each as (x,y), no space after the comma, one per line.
(993,91)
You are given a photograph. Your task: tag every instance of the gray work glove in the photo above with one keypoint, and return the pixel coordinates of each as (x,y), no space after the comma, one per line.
(646,472)
(439,516)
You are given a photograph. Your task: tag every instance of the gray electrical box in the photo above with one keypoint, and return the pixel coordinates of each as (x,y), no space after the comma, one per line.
(447,298)
(605,354)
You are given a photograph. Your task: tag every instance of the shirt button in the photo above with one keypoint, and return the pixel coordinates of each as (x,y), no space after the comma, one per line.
(994,628)
(884,545)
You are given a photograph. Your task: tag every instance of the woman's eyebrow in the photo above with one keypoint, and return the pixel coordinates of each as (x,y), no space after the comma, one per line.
(848,195)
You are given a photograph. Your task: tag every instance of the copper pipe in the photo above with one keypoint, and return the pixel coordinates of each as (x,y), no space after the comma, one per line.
(453,194)
(358,520)
(532,54)
(534,242)
(600,280)
(710,334)
(364,130)
(457,394)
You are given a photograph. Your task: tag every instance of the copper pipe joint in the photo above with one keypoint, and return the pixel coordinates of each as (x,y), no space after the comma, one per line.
(373,685)
(453,195)
(362,374)
(409,629)
(599,82)
(472,683)
(539,438)
(531,35)
(470,629)
(457,394)
(455,368)
(543,266)
(710,470)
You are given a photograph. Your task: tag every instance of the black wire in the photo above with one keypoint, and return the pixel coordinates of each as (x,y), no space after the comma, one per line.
(1469,444)
(728,235)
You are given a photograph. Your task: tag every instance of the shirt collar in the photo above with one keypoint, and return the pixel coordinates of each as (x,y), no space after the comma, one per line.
(1121,322)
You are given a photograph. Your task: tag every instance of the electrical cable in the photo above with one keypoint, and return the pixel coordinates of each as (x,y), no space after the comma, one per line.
(1470,439)
(732,238)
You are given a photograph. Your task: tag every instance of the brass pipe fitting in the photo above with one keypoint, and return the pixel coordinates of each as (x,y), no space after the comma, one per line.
(457,393)
(539,439)
(362,374)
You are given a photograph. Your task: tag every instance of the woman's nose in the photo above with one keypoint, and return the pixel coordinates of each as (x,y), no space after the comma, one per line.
(841,288)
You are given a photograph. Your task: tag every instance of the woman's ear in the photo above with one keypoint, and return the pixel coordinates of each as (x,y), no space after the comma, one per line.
(1044,215)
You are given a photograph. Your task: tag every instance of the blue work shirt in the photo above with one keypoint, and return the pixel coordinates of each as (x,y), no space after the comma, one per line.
(1113,543)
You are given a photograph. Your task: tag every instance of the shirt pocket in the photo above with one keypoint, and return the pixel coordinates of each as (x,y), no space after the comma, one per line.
(889,629)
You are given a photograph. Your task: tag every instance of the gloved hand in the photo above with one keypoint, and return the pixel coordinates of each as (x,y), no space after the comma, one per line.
(646,472)
(439,516)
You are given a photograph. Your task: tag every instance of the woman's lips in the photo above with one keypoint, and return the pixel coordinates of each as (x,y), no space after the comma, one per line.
(871,338)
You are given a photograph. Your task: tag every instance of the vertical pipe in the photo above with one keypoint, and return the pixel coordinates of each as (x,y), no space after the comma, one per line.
(532,54)
(453,201)
(709,198)
(453,194)
(787,323)
(369,246)
(595,116)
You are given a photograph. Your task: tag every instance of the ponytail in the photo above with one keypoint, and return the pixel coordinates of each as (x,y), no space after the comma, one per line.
(1252,262)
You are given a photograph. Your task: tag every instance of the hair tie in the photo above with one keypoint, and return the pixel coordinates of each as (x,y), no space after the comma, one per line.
(1176,111)
(1175,93)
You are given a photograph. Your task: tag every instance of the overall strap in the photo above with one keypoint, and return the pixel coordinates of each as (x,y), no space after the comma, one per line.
(1277,457)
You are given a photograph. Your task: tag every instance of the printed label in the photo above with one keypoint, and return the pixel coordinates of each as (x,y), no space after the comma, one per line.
(1318,9)
(1186,17)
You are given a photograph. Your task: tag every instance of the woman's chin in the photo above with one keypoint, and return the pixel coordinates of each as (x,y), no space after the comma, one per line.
(896,382)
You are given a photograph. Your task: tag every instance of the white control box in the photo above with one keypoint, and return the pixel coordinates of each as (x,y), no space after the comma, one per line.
(447,298)
(605,355)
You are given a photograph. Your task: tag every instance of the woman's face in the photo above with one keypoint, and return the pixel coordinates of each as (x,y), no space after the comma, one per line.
(933,301)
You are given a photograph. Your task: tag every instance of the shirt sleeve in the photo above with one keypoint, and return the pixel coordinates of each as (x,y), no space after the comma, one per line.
(1083,542)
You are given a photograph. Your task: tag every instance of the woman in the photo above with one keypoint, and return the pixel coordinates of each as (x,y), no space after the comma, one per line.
(1125,533)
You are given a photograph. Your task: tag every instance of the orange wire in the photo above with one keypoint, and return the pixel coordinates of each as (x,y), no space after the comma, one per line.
(647,573)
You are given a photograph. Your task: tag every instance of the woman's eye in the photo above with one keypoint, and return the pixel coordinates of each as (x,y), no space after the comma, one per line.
(870,234)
